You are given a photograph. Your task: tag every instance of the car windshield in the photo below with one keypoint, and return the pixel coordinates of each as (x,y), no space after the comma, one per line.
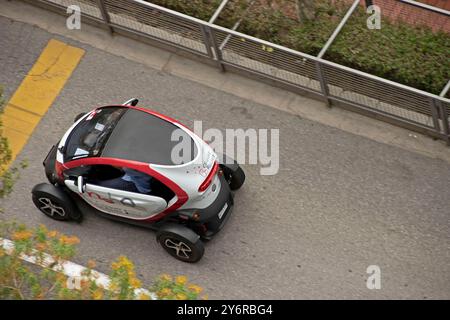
(88,138)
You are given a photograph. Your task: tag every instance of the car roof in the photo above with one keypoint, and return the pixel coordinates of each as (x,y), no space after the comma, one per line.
(145,137)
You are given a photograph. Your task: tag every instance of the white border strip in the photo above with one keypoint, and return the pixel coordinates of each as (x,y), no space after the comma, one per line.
(68,268)
(426,7)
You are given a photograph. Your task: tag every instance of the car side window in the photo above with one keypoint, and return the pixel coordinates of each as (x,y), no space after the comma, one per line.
(121,178)
(159,189)
(73,173)
(102,172)
(93,172)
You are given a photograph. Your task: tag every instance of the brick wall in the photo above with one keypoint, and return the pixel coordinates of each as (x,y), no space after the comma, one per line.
(398,11)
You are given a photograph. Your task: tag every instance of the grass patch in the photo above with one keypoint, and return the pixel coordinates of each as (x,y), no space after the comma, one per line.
(412,55)
(415,56)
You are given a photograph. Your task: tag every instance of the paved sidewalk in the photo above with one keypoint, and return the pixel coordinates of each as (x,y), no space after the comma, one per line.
(229,82)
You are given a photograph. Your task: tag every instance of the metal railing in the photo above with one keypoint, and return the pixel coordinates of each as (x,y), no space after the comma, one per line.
(374,96)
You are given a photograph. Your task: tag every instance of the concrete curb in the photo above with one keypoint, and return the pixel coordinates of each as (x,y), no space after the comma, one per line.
(68,268)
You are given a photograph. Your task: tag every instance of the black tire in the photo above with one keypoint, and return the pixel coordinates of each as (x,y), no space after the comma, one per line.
(192,252)
(53,202)
(237,179)
(79,116)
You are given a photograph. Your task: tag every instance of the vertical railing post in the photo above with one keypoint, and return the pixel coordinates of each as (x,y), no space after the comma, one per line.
(217,50)
(212,48)
(435,115)
(323,83)
(207,41)
(105,15)
(444,117)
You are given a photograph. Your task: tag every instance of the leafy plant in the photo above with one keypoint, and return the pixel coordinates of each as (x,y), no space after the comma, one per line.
(22,280)
(7,175)
(178,288)
(413,55)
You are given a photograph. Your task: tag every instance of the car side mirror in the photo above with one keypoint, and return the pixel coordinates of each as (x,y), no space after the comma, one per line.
(132,102)
(80,184)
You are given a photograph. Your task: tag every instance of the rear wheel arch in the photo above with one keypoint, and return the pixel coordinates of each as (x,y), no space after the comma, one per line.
(179,230)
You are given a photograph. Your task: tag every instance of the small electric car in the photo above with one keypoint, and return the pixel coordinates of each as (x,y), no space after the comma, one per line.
(184,202)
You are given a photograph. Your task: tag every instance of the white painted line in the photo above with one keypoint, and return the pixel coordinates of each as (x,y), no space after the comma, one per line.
(68,268)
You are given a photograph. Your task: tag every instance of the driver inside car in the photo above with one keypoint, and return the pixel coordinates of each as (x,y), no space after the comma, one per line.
(132,181)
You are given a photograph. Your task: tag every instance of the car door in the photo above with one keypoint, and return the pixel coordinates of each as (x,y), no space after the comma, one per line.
(118,202)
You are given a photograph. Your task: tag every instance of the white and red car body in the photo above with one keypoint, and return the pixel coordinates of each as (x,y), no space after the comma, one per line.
(196,184)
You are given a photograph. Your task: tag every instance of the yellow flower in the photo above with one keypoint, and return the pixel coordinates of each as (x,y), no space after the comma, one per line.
(135,283)
(181,280)
(205,297)
(164,292)
(126,263)
(165,277)
(113,286)
(143,296)
(195,288)
(52,234)
(22,235)
(69,240)
(131,274)
(41,246)
(91,264)
(97,294)
(181,296)
(115,266)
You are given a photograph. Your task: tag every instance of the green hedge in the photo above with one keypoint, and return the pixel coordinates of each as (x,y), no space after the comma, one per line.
(414,56)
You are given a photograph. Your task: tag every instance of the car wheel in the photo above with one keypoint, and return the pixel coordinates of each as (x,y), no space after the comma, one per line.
(237,179)
(53,202)
(181,248)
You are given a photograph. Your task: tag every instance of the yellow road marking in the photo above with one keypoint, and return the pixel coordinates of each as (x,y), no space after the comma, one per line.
(37,92)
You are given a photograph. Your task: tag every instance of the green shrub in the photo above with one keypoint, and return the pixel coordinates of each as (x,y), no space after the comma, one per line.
(411,55)
(8,175)
(415,56)
(21,280)
(272,24)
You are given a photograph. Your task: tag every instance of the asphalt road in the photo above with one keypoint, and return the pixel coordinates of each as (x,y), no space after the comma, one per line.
(339,203)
